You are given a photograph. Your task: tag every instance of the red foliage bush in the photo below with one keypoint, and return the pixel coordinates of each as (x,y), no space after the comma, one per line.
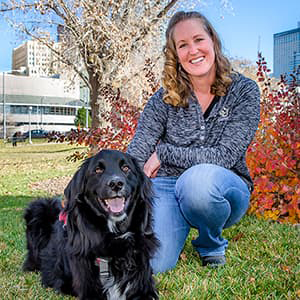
(121,122)
(273,156)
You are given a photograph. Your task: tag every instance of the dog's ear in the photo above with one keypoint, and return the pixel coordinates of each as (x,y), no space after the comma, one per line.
(146,224)
(146,195)
(74,193)
(76,184)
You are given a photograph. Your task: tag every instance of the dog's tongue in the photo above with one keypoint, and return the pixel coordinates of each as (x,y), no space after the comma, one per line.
(116,205)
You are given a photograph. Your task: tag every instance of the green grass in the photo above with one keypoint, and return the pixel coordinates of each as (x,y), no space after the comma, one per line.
(262,258)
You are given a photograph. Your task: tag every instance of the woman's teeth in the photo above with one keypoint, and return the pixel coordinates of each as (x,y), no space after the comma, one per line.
(194,61)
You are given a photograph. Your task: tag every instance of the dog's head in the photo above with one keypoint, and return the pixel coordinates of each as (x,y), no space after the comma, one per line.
(110,186)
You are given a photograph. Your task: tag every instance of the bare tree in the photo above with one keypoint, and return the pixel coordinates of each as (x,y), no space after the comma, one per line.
(105,42)
(244,66)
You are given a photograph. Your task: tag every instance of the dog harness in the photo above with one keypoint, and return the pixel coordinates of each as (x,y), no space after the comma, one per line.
(104,274)
(100,262)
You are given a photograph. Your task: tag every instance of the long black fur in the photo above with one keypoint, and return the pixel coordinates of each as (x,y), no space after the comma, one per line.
(66,254)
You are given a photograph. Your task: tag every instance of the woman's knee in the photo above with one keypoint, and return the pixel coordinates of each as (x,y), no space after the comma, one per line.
(200,192)
(205,191)
(198,184)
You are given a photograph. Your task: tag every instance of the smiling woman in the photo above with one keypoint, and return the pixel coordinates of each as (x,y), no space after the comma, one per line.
(194,57)
(192,139)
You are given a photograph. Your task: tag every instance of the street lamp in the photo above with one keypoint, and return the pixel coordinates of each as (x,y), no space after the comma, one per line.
(86,110)
(29,119)
(4,112)
(41,111)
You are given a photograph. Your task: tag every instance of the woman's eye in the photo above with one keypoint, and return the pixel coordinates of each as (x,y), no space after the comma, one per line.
(198,40)
(99,170)
(125,169)
(182,46)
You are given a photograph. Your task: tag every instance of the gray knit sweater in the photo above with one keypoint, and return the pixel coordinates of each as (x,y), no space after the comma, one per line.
(182,138)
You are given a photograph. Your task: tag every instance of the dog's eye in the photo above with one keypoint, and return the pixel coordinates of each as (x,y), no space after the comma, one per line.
(99,170)
(125,168)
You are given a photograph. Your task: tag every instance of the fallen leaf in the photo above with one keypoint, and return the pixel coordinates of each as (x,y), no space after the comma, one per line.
(252,279)
(237,237)
(285,268)
(183,256)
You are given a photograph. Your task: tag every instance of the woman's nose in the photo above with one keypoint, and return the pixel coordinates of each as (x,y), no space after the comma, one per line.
(193,49)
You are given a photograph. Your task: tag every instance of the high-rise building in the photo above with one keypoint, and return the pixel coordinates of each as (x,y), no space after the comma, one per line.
(286,52)
(35,57)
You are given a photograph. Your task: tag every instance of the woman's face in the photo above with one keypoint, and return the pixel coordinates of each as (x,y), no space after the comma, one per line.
(195,48)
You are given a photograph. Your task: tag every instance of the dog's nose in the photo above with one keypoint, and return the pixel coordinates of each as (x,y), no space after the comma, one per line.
(116,183)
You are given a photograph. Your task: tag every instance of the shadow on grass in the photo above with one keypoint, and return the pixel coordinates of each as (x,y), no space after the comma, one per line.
(51,151)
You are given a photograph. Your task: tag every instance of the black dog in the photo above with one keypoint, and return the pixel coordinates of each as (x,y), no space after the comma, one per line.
(99,245)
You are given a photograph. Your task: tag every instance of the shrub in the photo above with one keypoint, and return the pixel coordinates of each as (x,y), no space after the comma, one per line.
(80,119)
(121,122)
(273,156)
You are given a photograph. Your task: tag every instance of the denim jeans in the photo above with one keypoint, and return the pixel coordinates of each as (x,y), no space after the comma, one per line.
(206,197)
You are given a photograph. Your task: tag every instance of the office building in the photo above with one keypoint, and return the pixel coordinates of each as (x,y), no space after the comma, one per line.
(286,52)
(35,57)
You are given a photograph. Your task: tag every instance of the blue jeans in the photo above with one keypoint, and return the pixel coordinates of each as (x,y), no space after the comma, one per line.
(206,197)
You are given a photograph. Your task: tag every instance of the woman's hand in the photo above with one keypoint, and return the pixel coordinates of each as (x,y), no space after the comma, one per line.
(152,165)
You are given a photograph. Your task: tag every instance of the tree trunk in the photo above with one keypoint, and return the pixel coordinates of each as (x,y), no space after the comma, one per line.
(94,102)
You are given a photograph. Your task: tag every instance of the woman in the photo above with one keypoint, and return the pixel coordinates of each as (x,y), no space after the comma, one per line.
(191,140)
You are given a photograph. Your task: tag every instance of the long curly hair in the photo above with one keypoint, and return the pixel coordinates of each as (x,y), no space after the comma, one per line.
(175,80)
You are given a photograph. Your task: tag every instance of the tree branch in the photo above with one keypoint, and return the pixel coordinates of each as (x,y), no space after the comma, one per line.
(4,9)
(145,31)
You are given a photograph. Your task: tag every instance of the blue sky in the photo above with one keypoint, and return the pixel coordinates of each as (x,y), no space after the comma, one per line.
(239,28)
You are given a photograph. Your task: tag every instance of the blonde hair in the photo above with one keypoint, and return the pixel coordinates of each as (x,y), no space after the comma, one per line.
(175,80)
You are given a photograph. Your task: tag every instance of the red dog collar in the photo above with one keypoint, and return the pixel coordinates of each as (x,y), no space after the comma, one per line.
(63,217)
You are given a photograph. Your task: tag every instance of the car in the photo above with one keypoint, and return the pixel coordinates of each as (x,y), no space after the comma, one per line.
(36,134)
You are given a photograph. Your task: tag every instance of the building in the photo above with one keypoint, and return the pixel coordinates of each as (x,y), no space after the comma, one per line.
(41,103)
(286,52)
(43,97)
(35,57)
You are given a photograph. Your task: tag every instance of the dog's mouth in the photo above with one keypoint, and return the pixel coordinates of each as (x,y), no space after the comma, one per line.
(114,205)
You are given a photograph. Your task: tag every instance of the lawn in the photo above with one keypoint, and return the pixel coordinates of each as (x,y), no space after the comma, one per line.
(262,258)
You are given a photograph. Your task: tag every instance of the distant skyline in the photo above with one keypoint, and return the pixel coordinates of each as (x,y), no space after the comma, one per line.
(249,26)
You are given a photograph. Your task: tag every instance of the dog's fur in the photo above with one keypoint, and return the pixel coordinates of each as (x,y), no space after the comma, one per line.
(108,217)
